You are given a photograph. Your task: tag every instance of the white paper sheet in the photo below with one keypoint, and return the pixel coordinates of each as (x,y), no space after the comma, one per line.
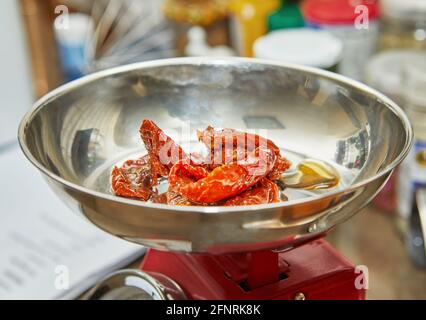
(44,247)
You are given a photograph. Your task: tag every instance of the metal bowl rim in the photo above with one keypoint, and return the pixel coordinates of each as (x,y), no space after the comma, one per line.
(212,61)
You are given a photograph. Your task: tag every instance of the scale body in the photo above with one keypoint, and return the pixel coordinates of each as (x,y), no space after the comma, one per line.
(314,271)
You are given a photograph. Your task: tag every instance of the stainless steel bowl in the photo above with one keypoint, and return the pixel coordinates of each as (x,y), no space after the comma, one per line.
(76,134)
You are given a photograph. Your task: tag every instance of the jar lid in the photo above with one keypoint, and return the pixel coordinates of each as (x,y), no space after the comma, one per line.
(310,47)
(337,11)
(406,9)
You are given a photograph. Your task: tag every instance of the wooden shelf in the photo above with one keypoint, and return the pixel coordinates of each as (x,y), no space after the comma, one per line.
(38,17)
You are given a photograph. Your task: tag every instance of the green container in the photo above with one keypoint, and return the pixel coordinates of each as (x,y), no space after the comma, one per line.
(288,16)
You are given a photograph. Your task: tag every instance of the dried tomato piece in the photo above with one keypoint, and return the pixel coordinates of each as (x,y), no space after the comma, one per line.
(229,145)
(265,191)
(281,166)
(133,179)
(159,198)
(162,150)
(175,199)
(200,186)
(219,139)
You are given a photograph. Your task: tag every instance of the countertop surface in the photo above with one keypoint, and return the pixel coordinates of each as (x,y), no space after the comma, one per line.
(371,238)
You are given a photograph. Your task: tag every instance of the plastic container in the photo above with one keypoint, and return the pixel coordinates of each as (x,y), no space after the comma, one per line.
(413,170)
(72,41)
(354,22)
(412,174)
(288,16)
(403,24)
(249,22)
(384,72)
(310,47)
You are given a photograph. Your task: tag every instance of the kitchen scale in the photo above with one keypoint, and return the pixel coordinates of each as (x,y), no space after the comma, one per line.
(75,134)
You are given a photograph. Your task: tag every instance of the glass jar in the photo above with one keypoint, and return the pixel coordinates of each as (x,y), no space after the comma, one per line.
(403,24)
(341,17)
(412,174)
(414,94)
(385,72)
(212,15)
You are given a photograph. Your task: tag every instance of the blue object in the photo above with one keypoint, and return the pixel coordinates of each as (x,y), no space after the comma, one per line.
(73,59)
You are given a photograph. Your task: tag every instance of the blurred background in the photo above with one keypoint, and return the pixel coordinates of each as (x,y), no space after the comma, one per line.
(46,43)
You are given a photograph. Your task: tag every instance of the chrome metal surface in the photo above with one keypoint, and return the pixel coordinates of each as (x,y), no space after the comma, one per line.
(135,285)
(421,205)
(76,134)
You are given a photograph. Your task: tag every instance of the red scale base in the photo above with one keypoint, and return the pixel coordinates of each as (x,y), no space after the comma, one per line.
(312,271)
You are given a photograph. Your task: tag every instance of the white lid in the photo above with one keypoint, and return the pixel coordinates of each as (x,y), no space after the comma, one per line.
(385,70)
(310,47)
(404,9)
